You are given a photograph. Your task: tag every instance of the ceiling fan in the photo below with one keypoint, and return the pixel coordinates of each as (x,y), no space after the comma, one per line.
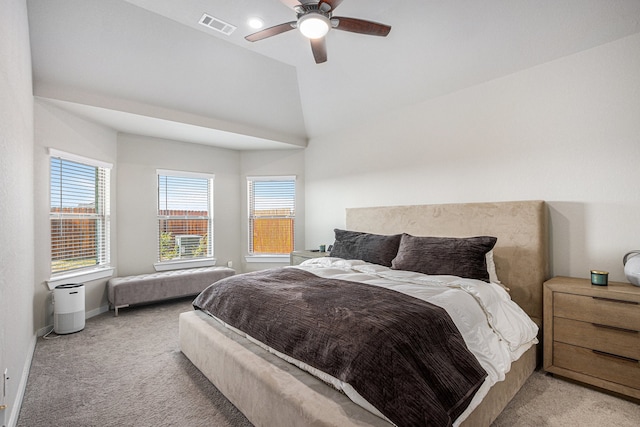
(315,19)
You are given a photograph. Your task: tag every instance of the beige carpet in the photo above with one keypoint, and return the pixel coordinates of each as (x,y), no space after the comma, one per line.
(129,371)
(548,401)
(123,371)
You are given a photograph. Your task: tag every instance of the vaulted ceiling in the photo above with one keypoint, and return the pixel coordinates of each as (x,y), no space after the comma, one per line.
(148,67)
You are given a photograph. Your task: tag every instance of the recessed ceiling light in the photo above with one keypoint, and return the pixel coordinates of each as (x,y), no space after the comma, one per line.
(255,22)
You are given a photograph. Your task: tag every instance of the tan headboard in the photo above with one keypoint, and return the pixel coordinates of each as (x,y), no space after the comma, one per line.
(521,252)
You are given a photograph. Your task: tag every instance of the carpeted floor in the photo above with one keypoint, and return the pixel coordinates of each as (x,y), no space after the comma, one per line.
(123,371)
(552,402)
(129,371)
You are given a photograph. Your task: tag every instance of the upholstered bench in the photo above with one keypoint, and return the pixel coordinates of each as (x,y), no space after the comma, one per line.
(125,291)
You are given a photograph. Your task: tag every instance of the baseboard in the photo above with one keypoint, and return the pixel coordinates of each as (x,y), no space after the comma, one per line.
(22,386)
(92,313)
(88,315)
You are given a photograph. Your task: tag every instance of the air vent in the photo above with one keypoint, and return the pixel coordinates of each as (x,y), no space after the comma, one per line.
(217,24)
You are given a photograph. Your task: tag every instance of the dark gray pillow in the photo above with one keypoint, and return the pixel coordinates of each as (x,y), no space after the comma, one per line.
(463,257)
(373,248)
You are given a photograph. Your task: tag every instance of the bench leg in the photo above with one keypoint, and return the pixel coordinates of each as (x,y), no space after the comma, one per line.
(119,306)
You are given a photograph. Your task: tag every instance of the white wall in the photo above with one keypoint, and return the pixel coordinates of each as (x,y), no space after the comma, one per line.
(138,159)
(567,132)
(56,128)
(17,334)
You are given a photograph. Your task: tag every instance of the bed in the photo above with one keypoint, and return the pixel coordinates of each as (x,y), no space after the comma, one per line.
(271,391)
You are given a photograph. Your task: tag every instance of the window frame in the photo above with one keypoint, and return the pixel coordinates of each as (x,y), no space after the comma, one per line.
(176,264)
(103,267)
(268,257)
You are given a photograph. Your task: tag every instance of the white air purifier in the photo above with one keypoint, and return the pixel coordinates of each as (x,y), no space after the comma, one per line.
(68,308)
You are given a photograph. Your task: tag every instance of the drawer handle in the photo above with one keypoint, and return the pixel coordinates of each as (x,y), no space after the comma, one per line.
(615,300)
(615,328)
(615,356)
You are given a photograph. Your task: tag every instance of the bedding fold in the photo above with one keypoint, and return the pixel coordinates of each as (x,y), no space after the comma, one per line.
(404,355)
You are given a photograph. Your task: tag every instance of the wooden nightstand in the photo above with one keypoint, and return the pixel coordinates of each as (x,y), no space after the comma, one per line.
(299,256)
(592,333)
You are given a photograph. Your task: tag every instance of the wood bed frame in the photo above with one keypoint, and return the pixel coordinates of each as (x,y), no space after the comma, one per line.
(272,392)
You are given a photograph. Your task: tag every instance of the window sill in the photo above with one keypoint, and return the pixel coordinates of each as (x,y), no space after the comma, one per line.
(268,258)
(80,276)
(178,265)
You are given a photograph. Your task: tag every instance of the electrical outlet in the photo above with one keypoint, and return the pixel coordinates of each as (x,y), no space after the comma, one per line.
(229,264)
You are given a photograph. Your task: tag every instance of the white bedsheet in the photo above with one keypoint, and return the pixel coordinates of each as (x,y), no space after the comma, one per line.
(496,330)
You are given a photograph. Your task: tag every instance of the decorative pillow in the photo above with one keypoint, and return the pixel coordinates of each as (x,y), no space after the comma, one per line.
(463,257)
(373,248)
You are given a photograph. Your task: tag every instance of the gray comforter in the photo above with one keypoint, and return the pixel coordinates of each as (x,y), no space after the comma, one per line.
(403,355)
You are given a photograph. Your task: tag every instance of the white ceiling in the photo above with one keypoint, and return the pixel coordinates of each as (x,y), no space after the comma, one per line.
(147,67)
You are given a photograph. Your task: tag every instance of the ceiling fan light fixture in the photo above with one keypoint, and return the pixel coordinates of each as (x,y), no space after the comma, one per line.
(314,25)
(314,20)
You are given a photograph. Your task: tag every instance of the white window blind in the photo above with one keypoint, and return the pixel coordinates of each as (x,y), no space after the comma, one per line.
(79,213)
(272,212)
(185,216)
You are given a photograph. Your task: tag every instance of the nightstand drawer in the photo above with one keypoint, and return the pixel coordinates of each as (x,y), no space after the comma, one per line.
(603,311)
(596,364)
(592,333)
(618,341)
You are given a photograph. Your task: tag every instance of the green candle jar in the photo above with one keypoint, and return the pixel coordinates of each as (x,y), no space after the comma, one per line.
(599,278)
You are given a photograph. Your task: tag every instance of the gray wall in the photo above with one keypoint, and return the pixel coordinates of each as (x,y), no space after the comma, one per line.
(133,196)
(138,159)
(268,163)
(17,335)
(56,128)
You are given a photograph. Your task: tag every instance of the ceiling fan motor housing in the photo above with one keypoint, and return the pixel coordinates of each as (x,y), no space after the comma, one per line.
(311,6)
(314,20)
(306,9)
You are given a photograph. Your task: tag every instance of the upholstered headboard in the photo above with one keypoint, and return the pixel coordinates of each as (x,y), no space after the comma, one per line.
(520,254)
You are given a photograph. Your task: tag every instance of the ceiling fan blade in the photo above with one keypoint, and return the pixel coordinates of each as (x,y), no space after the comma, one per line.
(271,31)
(319,49)
(331,3)
(361,26)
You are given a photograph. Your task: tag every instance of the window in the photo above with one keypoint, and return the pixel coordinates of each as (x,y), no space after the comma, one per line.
(185,217)
(272,213)
(79,213)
